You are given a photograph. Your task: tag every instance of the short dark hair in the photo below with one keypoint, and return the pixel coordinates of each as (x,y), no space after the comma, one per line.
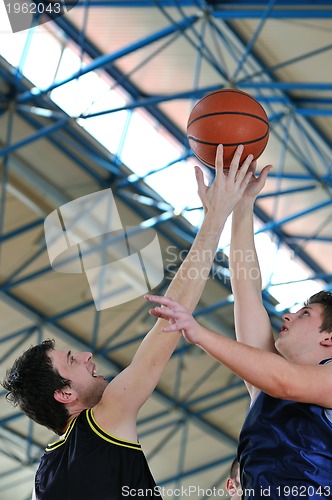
(325,299)
(31,383)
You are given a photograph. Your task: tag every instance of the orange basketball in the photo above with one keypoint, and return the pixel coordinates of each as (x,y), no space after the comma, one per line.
(229,117)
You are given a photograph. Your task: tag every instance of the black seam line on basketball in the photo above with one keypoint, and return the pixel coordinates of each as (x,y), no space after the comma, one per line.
(228,91)
(205,162)
(212,165)
(227,144)
(218,113)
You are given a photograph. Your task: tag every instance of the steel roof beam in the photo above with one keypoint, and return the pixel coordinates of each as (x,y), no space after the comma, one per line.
(48,130)
(275,13)
(21,230)
(104,60)
(227,9)
(196,470)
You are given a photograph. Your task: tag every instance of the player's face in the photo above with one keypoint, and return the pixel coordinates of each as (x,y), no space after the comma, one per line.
(300,334)
(79,368)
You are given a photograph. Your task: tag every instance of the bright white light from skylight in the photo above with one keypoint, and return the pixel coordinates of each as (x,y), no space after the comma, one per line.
(12,52)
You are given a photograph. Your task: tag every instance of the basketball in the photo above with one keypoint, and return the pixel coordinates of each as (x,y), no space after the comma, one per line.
(229,117)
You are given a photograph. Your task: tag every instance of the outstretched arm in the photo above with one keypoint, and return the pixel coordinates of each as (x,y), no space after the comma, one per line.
(252,324)
(133,386)
(265,370)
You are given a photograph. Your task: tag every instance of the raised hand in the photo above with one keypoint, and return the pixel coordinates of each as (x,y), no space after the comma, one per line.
(256,183)
(228,185)
(178,317)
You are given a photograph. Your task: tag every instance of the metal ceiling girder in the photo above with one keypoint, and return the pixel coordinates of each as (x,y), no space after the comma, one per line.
(275,13)
(228,9)
(297,106)
(43,132)
(81,146)
(272,225)
(285,238)
(21,230)
(282,88)
(116,74)
(104,60)
(196,470)
(89,150)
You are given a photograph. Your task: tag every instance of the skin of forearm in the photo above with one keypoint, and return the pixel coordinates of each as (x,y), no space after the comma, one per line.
(298,380)
(267,371)
(252,324)
(186,287)
(244,264)
(189,281)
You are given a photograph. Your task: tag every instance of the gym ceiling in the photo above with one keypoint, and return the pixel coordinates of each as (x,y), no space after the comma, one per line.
(161,56)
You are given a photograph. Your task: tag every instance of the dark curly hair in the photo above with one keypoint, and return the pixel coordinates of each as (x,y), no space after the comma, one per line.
(325,299)
(31,383)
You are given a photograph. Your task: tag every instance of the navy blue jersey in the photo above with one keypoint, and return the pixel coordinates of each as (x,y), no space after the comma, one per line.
(285,450)
(87,463)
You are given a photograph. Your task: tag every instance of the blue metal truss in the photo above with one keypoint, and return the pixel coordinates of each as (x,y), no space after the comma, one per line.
(251,74)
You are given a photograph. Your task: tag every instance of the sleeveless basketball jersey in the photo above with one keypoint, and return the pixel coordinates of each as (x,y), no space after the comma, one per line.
(285,450)
(87,463)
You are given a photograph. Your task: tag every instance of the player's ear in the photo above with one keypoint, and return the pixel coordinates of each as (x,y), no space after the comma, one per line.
(327,340)
(65,395)
(230,486)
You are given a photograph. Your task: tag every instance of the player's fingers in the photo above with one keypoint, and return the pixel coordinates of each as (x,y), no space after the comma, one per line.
(201,187)
(246,180)
(160,312)
(253,166)
(219,161)
(165,313)
(174,327)
(234,166)
(264,173)
(164,301)
(157,298)
(244,168)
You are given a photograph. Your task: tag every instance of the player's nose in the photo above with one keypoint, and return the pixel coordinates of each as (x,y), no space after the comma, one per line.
(288,317)
(86,356)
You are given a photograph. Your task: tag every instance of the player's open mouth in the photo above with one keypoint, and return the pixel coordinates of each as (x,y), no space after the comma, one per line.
(284,328)
(94,372)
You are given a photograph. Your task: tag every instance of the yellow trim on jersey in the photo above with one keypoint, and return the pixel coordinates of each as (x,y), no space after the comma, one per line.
(108,437)
(63,439)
